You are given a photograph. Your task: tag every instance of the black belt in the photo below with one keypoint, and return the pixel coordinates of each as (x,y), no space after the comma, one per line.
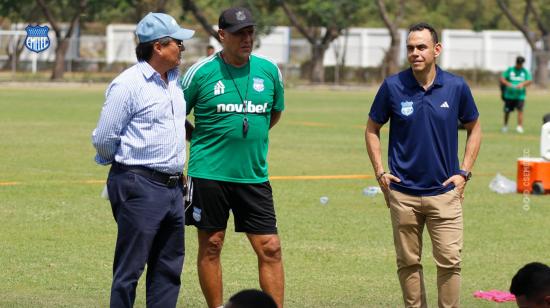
(170,180)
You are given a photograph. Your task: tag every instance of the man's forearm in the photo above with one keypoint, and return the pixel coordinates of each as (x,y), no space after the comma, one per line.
(372,140)
(275,117)
(188,130)
(105,149)
(473,143)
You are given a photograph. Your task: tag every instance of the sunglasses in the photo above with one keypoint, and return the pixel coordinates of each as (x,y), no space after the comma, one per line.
(179,44)
(166,41)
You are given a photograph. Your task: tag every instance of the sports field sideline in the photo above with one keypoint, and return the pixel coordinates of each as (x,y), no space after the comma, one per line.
(57,235)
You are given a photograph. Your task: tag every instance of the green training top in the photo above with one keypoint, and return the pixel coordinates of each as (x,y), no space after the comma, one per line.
(219,148)
(515,76)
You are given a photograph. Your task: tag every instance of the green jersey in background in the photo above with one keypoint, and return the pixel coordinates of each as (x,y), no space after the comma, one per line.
(216,90)
(515,76)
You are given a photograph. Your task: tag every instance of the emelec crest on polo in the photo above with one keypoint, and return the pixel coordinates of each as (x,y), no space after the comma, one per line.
(258,84)
(37,39)
(407,108)
(516,77)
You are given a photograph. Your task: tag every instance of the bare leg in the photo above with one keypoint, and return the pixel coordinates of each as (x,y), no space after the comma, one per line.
(506,116)
(270,265)
(209,266)
(520,118)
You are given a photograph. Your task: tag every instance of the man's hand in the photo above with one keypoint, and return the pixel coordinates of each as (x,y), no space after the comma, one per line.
(384,181)
(188,130)
(459,182)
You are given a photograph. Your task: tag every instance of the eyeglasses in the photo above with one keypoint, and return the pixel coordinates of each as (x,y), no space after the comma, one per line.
(165,41)
(179,44)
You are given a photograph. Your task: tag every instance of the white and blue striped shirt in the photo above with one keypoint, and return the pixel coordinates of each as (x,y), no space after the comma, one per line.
(142,121)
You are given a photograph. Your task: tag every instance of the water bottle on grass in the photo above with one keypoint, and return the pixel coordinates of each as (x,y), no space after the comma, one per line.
(371,191)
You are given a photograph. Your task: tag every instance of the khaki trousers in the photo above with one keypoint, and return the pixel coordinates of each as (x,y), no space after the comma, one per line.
(442,215)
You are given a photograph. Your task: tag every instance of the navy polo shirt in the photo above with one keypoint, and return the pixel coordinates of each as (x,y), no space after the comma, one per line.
(423,145)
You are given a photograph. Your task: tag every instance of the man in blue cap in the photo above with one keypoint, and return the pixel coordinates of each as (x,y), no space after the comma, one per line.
(141,134)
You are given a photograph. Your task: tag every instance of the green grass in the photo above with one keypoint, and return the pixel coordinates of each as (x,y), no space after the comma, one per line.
(57,236)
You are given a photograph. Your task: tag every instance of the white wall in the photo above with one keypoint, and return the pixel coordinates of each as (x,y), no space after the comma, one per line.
(366,47)
(121,43)
(488,50)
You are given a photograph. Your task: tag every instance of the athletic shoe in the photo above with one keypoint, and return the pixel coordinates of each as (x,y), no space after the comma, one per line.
(519,129)
(504,129)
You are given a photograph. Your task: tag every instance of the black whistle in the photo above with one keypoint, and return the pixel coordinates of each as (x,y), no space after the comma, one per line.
(245,126)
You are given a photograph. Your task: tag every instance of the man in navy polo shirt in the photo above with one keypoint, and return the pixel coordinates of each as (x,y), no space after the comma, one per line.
(425,185)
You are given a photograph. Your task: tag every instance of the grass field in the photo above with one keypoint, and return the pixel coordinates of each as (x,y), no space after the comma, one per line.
(57,235)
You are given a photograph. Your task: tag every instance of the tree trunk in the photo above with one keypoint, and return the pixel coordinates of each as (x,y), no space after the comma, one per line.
(390,65)
(161,6)
(542,57)
(317,68)
(59,65)
(190,5)
(541,68)
(19,45)
(392,58)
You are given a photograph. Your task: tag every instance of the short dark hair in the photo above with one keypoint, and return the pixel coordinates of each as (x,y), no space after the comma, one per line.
(250,299)
(144,51)
(421,26)
(520,60)
(209,47)
(532,280)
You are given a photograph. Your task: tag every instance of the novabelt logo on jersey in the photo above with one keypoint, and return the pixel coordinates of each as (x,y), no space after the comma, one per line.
(250,108)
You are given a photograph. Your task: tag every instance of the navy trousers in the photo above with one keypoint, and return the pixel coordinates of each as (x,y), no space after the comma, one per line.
(150,220)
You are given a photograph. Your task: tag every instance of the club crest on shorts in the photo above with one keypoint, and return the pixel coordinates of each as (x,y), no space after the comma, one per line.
(258,84)
(196,214)
(37,39)
(407,108)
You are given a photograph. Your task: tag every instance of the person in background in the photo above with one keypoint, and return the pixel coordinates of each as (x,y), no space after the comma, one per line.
(251,299)
(531,286)
(209,50)
(515,79)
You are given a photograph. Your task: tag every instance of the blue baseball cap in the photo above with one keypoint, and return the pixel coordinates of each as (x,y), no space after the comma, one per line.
(157,25)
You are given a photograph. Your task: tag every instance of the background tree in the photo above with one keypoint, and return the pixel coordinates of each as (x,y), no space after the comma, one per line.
(193,7)
(390,64)
(142,7)
(64,10)
(321,22)
(20,11)
(534,26)
(132,11)
(207,12)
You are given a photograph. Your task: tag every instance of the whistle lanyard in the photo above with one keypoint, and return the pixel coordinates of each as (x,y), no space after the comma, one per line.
(245,119)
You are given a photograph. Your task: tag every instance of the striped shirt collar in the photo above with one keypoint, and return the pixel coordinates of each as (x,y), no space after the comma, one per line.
(148,71)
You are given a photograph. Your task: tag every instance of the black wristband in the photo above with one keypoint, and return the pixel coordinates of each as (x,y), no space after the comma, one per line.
(378,177)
